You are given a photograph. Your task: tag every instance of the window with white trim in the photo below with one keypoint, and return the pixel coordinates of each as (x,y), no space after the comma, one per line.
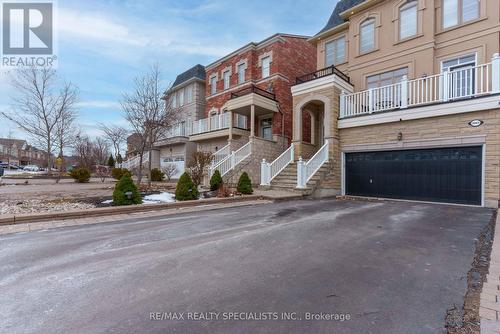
(181,97)
(266,67)
(335,52)
(461,80)
(408,20)
(213,85)
(386,78)
(459,11)
(174,100)
(367,36)
(189,94)
(266,128)
(241,73)
(226,76)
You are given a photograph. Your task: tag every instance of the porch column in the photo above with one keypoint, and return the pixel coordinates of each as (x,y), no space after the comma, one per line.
(313,127)
(252,121)
(230,112)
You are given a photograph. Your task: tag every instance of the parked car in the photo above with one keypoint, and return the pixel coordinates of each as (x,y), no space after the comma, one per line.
(1,171)
(31,168)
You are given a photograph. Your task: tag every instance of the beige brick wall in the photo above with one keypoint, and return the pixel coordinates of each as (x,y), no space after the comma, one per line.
(446,127)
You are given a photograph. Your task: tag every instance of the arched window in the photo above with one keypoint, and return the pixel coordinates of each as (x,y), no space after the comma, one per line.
(408,20)
(367,36)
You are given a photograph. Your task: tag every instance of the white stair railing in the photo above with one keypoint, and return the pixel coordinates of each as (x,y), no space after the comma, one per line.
(306,170)
(231,161)
(218,157)
(134,162)
(269,171)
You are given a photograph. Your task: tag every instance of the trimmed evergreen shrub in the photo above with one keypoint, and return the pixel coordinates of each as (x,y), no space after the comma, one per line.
(124,186)
(215,181)
(111,161)
(80,175)
(118,173)
(157,175)
(186,190)
(245,184)
(119,158)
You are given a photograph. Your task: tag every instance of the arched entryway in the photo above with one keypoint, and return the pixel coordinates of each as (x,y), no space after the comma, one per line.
(311,125)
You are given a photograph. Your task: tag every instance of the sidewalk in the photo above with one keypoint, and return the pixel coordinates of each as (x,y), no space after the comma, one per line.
(489,310)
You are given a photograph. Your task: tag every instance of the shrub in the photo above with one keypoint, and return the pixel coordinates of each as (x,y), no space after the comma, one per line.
(81,175)
(245,184)
(118,173)
(186,190)
(157,175)
(124,186)
(215,181)
(111,161)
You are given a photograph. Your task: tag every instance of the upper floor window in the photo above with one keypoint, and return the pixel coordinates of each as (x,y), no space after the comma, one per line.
(335,52)
(189,94)
(386,78)
(367,36)
(174,100)
(459,11)
(266,67)
(213,85)
(408,20)
(181,97)
(241,73)
(226,76)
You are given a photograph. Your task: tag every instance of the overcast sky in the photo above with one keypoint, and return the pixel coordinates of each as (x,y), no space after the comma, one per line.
(103,45)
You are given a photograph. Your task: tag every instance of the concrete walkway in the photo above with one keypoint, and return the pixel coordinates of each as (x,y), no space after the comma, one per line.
(490,297)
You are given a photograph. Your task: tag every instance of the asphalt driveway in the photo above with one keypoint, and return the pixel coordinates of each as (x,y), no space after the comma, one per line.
(382,267)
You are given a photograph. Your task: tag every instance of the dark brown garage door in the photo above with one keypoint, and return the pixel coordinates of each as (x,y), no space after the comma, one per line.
(451,175)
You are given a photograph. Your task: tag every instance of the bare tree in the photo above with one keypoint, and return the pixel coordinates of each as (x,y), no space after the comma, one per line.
(39,106)
(149,113)
(169,170)
(84,150)
(198,166)
(100,151)
(116,135)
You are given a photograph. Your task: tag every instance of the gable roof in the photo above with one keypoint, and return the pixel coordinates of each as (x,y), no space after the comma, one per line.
(197,72)
(9,142)
(335,18)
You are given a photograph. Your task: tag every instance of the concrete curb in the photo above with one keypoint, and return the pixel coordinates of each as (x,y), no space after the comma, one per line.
(39,217)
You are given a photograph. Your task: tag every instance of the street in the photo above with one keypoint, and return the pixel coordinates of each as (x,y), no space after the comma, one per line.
(381,267)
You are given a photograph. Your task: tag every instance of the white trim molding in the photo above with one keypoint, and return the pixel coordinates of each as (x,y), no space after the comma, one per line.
(322,83)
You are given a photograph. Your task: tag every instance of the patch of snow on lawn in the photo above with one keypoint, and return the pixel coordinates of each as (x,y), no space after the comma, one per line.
(159,198)
(109,201)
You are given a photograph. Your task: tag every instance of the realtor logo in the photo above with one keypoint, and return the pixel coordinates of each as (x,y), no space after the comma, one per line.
(27,30)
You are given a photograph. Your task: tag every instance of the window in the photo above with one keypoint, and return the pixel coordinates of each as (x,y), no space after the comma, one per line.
(462,78)
(174,100)
(181,97)
(226,77)
(189,94)
(459,11)
(367,36)
(213,85)
(266,67)
(266,128)
(241,73)
(335,52)
(408,20)
(386,78)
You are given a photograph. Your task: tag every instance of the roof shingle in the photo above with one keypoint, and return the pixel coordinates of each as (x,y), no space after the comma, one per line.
(335,18)
(197,71)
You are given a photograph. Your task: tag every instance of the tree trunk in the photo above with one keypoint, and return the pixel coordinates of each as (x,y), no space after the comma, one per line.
(49,158)
(149,169)
(139,177)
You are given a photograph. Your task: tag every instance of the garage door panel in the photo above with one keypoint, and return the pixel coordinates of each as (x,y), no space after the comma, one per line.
(445,175)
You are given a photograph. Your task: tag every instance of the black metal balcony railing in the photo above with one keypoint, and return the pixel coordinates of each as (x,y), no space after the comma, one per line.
(253,89)
(324,72)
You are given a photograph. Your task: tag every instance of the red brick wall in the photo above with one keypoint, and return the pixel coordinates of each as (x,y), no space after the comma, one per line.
(291,58)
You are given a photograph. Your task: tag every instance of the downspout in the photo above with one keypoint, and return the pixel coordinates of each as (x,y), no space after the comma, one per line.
(282,124)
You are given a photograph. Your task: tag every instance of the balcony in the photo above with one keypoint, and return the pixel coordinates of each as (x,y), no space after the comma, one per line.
(327,71)
(459,84)
(253,90)
(217,123)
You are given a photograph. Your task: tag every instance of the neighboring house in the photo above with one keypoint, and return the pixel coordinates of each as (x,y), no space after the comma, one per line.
(406,94)
(18,152)
(187,97)
(249,104)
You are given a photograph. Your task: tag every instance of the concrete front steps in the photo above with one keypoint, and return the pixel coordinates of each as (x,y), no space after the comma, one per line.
(287,179)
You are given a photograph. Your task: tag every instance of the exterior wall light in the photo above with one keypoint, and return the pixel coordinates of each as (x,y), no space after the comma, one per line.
(400,136)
